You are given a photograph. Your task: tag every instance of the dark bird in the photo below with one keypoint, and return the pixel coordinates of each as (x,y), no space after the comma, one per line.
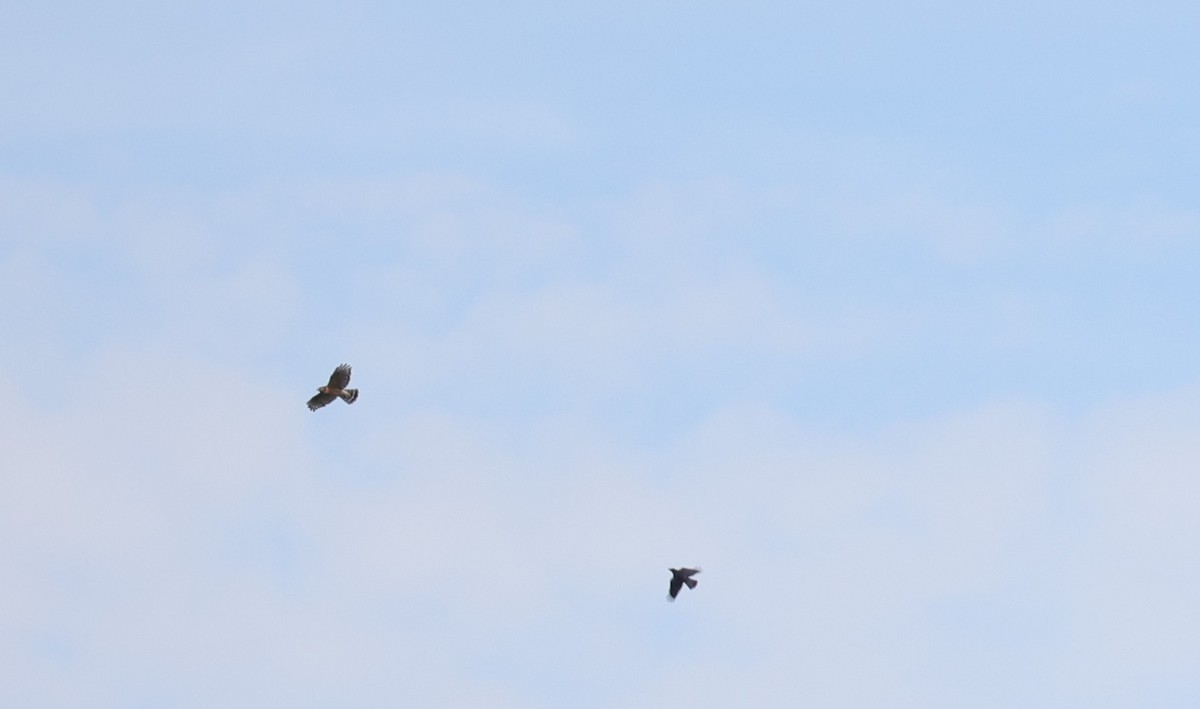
(680,577)
(335,389)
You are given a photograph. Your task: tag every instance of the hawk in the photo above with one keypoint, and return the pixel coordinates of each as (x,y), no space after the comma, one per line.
(335,389)
(680,577)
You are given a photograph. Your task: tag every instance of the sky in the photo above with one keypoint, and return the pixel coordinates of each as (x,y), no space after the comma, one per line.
(882,314)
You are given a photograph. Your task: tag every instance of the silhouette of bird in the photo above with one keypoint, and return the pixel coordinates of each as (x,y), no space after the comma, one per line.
(680,577)
(335,389)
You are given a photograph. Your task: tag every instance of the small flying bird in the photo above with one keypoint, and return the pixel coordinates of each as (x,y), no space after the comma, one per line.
(335,389)
(680,577)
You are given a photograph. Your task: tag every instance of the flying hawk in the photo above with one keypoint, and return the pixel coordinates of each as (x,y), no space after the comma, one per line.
(335,389)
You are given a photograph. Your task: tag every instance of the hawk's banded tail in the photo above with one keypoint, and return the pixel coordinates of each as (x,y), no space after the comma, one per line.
(349,395)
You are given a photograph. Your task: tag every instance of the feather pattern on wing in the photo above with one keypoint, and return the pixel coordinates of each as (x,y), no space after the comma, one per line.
(340,377)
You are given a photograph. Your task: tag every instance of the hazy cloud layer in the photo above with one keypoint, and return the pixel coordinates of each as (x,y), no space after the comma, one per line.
(172,548)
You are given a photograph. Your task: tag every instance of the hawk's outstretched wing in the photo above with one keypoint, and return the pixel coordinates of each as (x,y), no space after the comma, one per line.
(320,400)
(340,377)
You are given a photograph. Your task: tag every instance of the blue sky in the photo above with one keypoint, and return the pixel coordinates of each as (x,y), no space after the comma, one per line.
(881,314)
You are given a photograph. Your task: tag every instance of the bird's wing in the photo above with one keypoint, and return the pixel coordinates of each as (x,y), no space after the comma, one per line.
(688,572)
(340,377)
(676,584)
(320,400)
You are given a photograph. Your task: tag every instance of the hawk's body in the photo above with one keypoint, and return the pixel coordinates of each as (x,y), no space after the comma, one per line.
(679,577)
(335,389)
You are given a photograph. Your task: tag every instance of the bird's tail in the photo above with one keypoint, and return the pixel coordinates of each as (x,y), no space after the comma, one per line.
(349,395)
(691,582)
